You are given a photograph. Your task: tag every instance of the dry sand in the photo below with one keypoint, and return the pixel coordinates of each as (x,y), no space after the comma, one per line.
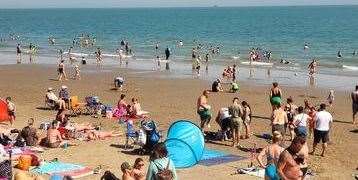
(168,100)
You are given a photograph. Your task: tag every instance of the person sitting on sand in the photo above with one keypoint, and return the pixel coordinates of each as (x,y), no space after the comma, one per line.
(272,153)
(136,109)
(246,117)
(29,134)
(216,86)
(159,160)
(288,163)
(138,169)
(234,87)
(53,138)
(278,119)
(204,110)
(127,171)
(52,99)
(275,95)
(64,94)
(236,113)
(11,109)
(122,107)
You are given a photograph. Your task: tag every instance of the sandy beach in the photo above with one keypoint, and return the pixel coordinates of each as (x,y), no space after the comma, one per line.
(167,100)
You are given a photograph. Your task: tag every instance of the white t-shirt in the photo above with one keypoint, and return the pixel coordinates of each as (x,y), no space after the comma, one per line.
(301,119)
(323,118)
(51,96)
(224,113)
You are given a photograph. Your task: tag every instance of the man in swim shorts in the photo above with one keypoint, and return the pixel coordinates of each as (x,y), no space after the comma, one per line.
(204,110)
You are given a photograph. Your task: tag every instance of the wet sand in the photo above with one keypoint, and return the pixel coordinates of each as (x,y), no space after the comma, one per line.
(169,99)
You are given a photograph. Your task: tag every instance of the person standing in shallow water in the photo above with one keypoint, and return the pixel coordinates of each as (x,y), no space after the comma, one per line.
(18,53)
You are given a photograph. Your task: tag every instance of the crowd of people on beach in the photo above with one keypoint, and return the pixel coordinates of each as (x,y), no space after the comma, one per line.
(280,161)
(297,122)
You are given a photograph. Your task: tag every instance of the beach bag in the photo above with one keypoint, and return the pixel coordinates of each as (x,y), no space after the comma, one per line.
(164,174)
(154,136)
(5,169)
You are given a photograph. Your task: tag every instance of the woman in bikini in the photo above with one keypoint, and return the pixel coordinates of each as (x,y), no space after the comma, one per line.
(272,153)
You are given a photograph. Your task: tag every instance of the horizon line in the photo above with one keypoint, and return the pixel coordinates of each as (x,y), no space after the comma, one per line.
(164,7)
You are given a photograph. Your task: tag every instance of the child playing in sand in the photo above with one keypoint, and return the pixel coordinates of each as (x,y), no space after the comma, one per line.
(330,98)
(77,73)
(11,109)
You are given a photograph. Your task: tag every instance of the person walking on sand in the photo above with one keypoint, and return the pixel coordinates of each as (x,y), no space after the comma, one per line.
(204,110)
(11,109)
(61,71)
(246,117)
(278,119)
(323,121)
(288,164)
(354,97)
(275,95)
(18,53)
(236,113)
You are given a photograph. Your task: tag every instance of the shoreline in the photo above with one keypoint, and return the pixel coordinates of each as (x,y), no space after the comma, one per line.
(261,76)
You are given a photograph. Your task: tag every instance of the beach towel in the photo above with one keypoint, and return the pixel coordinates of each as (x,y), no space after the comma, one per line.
(4,115)
(252,171)
(215,157)
(63,169)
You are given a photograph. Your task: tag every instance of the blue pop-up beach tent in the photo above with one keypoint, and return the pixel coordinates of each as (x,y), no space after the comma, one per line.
(185,143)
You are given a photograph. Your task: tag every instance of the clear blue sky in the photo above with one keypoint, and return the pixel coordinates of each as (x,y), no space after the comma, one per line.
(162,3)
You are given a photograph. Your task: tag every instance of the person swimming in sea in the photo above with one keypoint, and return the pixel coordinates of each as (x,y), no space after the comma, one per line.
(306,47)
(339,54)
(283,61)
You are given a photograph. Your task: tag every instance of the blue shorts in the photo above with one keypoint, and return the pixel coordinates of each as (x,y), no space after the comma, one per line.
(271,172)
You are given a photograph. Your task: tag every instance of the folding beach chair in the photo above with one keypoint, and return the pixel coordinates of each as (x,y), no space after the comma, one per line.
(131,134)
(76,107)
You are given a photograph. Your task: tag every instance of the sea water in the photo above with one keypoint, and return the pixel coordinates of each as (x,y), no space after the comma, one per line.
(282,30)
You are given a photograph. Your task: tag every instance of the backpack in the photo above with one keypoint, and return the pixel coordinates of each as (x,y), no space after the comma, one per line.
(164,174)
